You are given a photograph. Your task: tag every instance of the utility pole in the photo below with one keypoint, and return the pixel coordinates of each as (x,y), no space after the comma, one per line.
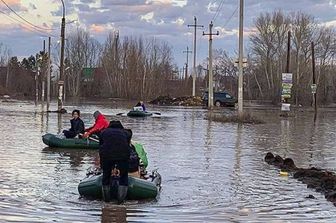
(314,87)
(182,72)
(288,51)
(37,74)
(240,60)
(194,64)
(7,75)
(206,74)
(186,71)
(210,91)
(61,77)
(48,75)
(43,74)
(286,82)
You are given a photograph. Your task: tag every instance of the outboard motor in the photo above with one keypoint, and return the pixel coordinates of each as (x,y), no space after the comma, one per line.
(156,178)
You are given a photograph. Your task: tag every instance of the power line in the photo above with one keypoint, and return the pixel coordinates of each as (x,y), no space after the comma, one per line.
(229,19)
(38,27)
(218,10)
(28,27)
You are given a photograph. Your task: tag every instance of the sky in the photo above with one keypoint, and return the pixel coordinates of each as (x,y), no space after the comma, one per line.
(165,20)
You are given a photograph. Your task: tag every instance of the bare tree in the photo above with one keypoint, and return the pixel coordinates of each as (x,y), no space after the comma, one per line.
(81,51)
(225,71)
(268,53)
(4,54)
(303,26)
(325,52)
(136,68)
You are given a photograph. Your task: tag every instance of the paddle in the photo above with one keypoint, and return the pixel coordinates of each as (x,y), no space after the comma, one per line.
(93,139)
(156,113)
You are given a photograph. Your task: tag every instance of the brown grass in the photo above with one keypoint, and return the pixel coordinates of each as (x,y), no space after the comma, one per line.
(246,118)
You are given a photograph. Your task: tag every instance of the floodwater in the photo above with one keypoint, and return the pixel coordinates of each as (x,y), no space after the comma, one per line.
(212,172)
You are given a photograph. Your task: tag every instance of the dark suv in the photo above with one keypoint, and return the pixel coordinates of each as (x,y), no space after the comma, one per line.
(220,99)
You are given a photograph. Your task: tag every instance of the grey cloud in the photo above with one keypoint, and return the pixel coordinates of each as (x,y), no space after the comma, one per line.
(83,8)
(32,6)
(125,15)
(69,9)
(112,3)
(88,1)
(15,38)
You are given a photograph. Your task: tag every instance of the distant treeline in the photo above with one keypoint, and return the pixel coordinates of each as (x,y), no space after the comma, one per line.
(132,67)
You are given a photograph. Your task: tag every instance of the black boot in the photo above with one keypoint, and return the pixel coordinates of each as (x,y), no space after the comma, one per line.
(106,193)
(122,193)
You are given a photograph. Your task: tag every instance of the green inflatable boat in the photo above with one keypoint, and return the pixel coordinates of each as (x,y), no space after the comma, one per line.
(137,113)
(53,140)
(138,189)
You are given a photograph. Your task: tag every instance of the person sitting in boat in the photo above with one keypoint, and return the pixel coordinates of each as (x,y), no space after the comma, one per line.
(134,161)
(140,104)
(100,124)
(139,148)
(138,157)
(114,153)
(77,125)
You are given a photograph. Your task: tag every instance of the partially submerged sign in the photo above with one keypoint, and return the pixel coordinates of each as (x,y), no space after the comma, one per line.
(286,85)
(286,92)
(285,107)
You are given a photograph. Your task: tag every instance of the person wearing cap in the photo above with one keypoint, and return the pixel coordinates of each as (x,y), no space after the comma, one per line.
(100,123)
(114,153)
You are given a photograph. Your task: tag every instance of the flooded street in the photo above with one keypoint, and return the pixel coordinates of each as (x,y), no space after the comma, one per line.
(211,171)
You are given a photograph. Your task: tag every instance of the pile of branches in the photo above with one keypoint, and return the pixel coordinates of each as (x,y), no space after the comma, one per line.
(179,101)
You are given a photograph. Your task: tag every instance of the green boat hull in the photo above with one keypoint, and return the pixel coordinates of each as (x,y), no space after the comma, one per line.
(53,141)
(139,114)
(138,189)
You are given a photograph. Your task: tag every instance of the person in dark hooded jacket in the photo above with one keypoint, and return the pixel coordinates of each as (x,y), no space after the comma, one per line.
(77,125)
(142,105)
(114,153)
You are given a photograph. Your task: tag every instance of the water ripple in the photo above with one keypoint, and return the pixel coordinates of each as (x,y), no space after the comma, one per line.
(212,172)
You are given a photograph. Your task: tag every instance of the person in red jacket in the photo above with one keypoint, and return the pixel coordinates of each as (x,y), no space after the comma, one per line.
(100,124)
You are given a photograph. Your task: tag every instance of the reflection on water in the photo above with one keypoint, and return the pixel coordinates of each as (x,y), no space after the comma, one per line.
(114,213)
(212,172)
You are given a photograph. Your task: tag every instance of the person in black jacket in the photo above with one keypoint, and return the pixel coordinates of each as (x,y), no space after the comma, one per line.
(77,125)
(134,161)
(141,104)
(114,153)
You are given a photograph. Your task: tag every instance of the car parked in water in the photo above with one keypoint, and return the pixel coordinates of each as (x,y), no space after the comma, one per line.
(220,99)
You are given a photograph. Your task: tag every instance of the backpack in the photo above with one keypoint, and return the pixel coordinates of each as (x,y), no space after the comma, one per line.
(133,160)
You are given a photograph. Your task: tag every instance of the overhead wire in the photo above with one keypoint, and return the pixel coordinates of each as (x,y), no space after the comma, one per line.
(220,5)
(31,24)
(229,19)
(216,16)
(28,27)
(217,11)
